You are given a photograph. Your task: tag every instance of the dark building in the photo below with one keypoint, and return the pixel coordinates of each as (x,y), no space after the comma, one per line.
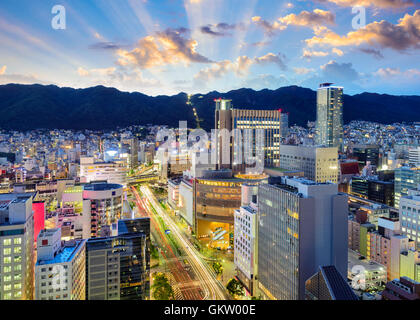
(328,284)
(402,289)
(118,267)
(373,189)
(381,191)
(365,153)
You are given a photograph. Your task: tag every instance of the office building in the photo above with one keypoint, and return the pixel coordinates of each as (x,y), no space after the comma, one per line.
(230,146)
(409,209)
(406,178)
(366,154)
(118,267)
(60,271)
(319,164)
(373,189)
(329,116)
(302,226)
(245,253)
(16,246)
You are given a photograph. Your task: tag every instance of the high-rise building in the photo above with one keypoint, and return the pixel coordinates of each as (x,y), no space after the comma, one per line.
(245,254)
(231,146)
(406,178)
(60,271)
(329,121)
(319,164)
(117,267)
(16,246)
(409,208)
(302,226)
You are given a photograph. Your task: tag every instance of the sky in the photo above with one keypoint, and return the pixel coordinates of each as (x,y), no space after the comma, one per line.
(163,47)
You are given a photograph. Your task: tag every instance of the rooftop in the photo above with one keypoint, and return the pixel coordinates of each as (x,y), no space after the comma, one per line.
(66,254)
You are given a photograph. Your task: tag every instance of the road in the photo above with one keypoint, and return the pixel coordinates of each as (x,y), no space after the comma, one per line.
(188,286)
(212,288)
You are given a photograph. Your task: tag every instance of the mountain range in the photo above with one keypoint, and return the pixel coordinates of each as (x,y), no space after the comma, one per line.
(26,107)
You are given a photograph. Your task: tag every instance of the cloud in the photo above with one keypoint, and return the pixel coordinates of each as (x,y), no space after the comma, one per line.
(394,72)
(164,48)
(105,45)
(21,78)
(221,29)
(240,67)
(394,4)
(3,70)
(269,28)
(302,70)
(337,51)
(308,54)
(315,19)
(96,72)
(343,72)
(376,53)
(402,36)
(277,59)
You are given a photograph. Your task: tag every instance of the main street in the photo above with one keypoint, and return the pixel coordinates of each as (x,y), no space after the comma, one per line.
(207,278)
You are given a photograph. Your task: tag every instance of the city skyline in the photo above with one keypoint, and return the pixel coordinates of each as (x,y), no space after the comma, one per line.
(164,47)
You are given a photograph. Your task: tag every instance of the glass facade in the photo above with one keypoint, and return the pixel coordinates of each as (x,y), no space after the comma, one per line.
(329,122)
(278,242)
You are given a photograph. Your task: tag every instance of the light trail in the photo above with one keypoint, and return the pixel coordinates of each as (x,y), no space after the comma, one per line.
(208,278)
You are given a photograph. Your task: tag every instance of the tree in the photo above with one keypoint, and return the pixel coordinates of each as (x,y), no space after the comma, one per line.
(235,288)
(162,290)
(218,268)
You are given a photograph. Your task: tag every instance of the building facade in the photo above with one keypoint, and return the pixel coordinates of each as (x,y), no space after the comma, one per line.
(329,121)
(319,164)
(302,226)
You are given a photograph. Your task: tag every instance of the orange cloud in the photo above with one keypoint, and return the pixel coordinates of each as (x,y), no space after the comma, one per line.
(315,19)
(3,70)
(401,36)
(374,3)
(163,48)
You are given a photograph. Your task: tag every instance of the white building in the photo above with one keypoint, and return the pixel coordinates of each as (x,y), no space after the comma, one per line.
(112,172)
(409,208)
(414,155)
(60,272)
(16,246)
(245,256)
(319,164)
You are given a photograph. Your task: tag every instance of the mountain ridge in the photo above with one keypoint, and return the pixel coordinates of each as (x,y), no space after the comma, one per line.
(25,107)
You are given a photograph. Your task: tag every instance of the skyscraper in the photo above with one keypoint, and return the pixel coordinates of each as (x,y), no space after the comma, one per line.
(16,246)
(231,144)
(302,225)
(329,121)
